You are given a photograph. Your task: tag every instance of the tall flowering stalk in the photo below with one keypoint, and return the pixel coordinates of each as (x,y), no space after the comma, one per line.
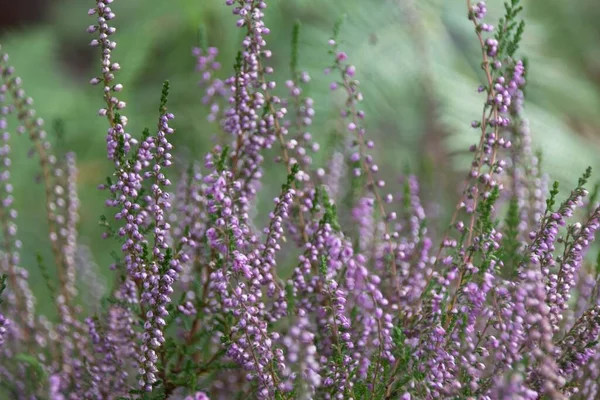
(11,245)
(364,167)
(61,218)
(51,171)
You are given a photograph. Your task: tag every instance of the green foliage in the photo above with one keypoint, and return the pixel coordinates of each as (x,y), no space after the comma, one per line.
(323,265)
(34,368)
(203,37)
(510,241)
(165,264)
(295,50)
(46,276)
(291,178)
(59,129)
(486,219)
(337,27)
(164,97)
(511,31)
(330,215)
(222,159)
(237,67)
(584,178)
(551,201)
(2,286)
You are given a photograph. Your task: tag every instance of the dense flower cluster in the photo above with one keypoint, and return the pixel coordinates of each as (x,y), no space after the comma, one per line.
(214,88)
(347,292)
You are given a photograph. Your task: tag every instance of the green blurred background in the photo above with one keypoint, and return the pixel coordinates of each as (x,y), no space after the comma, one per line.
(418,62)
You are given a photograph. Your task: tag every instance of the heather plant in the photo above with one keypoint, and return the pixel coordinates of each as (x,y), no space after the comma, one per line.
(347,292)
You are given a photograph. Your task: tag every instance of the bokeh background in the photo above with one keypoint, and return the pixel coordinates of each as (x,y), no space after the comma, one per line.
(418,63)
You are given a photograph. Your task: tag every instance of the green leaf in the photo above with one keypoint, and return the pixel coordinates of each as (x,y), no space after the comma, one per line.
(294,56)
(2,285)
(164,97)
(34,366)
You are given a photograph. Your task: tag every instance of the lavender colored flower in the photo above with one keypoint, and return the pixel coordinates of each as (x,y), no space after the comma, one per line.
(4,323)
(198,396)
(55,388)
(215,89)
